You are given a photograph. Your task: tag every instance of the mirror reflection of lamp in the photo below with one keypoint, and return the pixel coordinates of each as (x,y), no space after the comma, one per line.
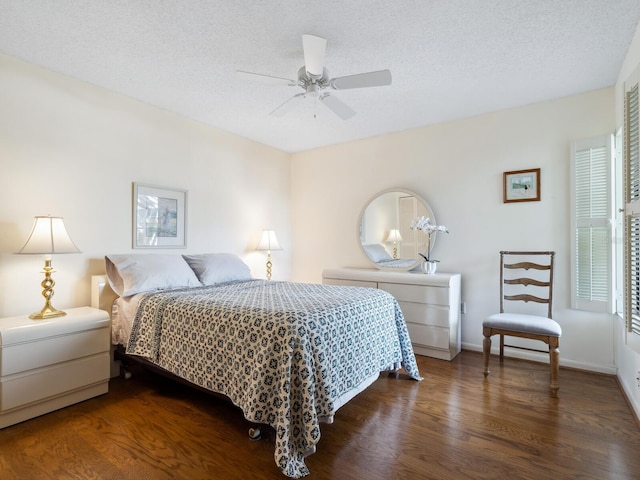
(268,242)
(395,237)
(48,236)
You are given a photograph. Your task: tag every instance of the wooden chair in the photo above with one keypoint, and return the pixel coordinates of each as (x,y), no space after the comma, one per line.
(516,284)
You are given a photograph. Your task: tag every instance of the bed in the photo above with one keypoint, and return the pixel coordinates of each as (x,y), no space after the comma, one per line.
(288,354)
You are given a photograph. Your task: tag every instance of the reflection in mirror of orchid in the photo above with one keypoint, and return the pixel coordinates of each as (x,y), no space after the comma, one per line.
(424,224)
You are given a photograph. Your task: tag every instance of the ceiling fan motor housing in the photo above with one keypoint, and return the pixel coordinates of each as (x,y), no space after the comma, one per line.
(312,84)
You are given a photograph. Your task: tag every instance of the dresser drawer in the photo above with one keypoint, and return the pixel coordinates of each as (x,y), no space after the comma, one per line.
(425,314)
(417,293)
(24,356)
(25,388)
(434,337)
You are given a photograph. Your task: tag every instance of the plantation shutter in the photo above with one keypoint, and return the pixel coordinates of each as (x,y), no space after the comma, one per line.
(592,259)
(632,208)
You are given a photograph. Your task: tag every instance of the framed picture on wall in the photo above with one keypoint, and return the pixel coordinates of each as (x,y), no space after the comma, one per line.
(159,217)
(521,186)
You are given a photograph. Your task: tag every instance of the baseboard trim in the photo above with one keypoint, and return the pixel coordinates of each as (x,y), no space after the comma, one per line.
(628,397)
(544,358)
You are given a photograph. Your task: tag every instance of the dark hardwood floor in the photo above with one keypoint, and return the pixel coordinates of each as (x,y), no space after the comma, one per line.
(453,425)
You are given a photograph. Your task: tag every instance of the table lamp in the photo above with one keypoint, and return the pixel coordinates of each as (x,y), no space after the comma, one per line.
(268,242)
(48,236)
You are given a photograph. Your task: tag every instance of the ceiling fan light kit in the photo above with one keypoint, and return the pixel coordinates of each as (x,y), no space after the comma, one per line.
(313,78)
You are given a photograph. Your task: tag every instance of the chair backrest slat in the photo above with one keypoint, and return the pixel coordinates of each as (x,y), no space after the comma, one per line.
(527,266)
(523,297)
(518,260)
(526,282)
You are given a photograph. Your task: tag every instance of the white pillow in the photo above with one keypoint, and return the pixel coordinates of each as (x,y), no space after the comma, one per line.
(212,268)
(376,252)
(137,273)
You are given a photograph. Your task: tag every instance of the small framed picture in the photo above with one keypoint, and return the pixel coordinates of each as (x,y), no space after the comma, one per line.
(159,217)
(522,186)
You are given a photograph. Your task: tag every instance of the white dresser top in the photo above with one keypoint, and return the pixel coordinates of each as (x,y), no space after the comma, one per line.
(374,275)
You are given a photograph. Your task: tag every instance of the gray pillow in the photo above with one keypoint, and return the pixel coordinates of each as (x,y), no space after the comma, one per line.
(212,268)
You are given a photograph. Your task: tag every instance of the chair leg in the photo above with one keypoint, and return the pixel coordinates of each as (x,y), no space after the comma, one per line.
(554,362)
(486,352)
(501,348)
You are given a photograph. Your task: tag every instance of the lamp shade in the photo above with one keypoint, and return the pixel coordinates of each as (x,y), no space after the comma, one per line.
(49,236)
(268,241)
(394,236)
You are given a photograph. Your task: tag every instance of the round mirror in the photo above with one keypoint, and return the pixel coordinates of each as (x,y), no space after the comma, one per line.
(384,229)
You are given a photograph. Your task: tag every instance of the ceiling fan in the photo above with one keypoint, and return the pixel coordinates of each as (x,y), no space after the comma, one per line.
(314,79)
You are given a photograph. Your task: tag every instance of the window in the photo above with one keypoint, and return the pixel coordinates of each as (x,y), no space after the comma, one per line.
(592,222)
(632,210)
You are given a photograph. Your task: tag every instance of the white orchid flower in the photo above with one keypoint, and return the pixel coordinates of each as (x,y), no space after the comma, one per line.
(424,225)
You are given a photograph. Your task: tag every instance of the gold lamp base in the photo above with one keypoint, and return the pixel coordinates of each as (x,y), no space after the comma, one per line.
(269,265)
(48,311)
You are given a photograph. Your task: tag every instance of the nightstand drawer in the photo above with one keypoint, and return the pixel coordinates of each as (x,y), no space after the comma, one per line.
(417,293)
(435,337)
(24,388)
(26,356)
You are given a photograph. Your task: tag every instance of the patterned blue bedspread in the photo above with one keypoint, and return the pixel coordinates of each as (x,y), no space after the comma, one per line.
(283,352)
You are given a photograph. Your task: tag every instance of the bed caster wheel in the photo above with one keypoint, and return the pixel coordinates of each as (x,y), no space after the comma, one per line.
(127,375)
(255,434)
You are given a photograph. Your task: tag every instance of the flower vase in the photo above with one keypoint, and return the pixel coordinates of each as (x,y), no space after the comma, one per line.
(430,267)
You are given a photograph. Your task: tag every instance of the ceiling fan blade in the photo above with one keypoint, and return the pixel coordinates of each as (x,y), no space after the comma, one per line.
(266,79)
(289,105)
(337,106)
(314,50)
(362,80)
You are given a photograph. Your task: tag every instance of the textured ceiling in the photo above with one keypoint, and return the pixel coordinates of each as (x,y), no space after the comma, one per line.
(449,59)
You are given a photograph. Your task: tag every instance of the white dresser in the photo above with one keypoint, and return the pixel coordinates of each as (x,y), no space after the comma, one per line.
(430,304)
(49,364)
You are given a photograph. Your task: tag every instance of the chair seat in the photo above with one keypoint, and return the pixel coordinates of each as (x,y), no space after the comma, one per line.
(519,322)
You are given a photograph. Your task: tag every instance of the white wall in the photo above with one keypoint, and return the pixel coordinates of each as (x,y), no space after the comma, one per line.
(627,359)
(457,168)
(73,150)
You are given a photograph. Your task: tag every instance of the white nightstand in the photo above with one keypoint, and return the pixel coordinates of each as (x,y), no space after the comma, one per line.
(50,364)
